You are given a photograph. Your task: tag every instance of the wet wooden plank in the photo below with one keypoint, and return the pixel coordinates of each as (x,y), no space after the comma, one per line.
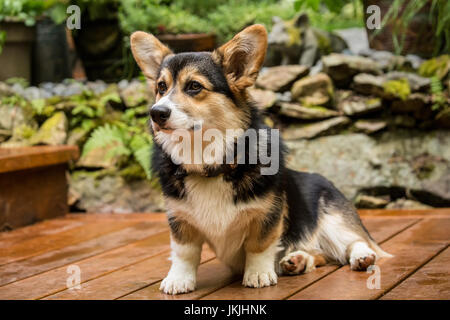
(431,282)
(44,228)
(402,213)
(53,281)
(71,254)
(380,229)
(412,248)
(212,275)
(126,280)
(32,247)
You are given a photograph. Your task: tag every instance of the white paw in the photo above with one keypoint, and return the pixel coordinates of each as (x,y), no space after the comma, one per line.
(174,285)
(259,279)
(361,257)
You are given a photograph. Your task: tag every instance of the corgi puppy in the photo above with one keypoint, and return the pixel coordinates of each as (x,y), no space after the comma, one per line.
(261,224)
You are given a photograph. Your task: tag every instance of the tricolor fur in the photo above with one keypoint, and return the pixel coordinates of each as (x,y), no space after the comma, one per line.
(259,225)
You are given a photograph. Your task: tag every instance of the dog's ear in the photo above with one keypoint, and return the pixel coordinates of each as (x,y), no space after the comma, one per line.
(242,57)
(148,52)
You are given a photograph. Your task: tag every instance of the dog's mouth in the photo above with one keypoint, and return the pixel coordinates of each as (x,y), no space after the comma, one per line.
(167,129)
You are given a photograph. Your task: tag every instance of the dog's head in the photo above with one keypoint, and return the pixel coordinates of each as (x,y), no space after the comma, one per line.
(201,87)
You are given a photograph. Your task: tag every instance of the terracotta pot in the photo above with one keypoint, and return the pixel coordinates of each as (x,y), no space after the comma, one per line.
(189,41)
(419,35)
(15,59)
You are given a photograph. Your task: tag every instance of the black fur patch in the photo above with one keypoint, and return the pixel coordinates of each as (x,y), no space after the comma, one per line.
(204,63)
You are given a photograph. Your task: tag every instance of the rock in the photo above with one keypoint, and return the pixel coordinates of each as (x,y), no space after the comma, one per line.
(348,161)
(407,204)
(355,105)
(443,118)
(356,39)
(264,99)
(280,78)
(53,131)
(404,121)
(369,84)
(314,90)
(382,86)
(284,97)
(101,157)
(114,194)
(416,82)
(418,104)
(297,111)
(98,86)
(438,67)
(342,68)
(315,129)
(369,202)
(135,94)
(370,126)
(14,117)
(5,90)
(77,137)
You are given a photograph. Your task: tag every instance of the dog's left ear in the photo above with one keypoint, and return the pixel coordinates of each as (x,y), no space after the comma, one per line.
(242,57)
(148,52)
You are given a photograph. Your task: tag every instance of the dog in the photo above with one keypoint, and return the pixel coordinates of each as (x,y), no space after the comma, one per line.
(260,225)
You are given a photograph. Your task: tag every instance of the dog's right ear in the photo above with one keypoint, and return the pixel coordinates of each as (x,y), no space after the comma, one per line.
(148,52)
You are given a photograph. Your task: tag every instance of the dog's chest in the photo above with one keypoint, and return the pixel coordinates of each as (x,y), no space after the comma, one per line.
(210,205)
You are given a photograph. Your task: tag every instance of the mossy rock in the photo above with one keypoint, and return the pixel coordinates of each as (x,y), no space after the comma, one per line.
(437,67)
(398,88)
(53,131)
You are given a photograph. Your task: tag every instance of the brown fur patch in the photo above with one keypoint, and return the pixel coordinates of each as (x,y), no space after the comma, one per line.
(242,57)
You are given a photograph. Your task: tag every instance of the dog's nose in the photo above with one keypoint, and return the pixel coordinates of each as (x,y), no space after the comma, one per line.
(160,114)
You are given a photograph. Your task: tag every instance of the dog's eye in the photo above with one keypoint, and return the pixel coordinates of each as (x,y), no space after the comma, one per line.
(162,87)
(194,87)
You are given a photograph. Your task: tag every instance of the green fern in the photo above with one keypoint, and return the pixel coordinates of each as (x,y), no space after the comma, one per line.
(142,148)
(108,136)
(437,91)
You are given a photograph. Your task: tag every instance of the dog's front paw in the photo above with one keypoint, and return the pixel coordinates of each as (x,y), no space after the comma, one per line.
(173,285)
(259,279)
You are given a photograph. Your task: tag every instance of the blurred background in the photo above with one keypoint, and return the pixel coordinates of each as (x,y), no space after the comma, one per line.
(360,90)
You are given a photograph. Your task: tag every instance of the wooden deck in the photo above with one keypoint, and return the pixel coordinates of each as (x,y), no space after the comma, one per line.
(126,256)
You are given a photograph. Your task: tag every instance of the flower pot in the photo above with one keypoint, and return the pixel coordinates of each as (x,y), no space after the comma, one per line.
(189,41)
(16,56)
(419,35)
(52,60)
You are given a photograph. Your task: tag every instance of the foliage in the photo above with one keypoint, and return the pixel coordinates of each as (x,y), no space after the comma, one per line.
(437,91)
(398,88)
(439,17)
(122,140)
(154,17)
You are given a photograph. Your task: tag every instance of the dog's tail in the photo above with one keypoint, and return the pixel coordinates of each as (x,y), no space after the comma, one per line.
(380,252)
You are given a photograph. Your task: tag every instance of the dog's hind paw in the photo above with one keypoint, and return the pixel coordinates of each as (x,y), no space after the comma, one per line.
(255,279)
(172,285)
(361,256)
(297,262)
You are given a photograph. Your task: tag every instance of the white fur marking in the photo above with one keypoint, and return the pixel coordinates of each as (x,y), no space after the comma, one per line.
(183,272)
(260,268)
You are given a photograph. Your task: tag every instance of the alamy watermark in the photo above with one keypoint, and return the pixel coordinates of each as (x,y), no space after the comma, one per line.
(235,146)
(73,281)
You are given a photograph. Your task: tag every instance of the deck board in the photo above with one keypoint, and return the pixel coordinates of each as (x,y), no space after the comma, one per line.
(429,282)
(126,257)
(411,249)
